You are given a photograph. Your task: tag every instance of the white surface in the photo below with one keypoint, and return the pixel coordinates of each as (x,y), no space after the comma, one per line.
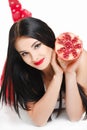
(61,15)
(9,120)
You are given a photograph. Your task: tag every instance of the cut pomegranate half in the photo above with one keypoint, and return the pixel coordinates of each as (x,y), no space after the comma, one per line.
(68,46)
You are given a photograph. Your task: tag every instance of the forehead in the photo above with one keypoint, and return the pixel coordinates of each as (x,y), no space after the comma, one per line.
(24,42)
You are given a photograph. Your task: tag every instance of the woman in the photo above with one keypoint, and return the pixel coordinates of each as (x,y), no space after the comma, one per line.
(33,78)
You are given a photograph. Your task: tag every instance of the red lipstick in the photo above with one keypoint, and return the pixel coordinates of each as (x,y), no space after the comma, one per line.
(39,62)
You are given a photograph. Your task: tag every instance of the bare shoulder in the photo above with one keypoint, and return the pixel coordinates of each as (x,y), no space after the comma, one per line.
(82,73)
(86,52)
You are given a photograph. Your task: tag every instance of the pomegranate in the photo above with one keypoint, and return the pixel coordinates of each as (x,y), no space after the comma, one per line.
(68,46)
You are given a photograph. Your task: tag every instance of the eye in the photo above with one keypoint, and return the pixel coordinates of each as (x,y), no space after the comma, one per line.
(24,54)
(37,45)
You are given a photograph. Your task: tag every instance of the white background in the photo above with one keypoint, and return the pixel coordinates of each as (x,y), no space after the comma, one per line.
(61,16)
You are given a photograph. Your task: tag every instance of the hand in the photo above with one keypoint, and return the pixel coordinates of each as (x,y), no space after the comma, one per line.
(57,69)
(74,66)
(70,66)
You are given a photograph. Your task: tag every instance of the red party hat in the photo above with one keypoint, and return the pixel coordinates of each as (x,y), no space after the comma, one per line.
(17,12)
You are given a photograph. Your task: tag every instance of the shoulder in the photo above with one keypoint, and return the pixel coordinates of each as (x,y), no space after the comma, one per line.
(82,73)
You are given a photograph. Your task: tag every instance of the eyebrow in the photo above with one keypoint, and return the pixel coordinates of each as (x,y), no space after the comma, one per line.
(31,46)
(34,43)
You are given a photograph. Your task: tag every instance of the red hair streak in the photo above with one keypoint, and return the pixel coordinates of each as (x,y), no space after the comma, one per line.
(11,86)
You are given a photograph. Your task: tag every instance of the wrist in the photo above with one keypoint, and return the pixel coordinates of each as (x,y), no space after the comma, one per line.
(70,74)
(58,77)
(70,78)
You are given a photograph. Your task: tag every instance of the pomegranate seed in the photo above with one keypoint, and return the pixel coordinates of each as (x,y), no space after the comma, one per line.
(77,46)
(74,53)
(66,55)
(68,44)
(67,36)
(74,40)
(61,50)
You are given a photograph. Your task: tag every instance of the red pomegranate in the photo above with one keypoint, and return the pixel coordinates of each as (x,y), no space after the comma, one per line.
(68,46)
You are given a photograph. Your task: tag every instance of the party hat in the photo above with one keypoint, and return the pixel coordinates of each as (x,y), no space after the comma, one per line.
(17,11)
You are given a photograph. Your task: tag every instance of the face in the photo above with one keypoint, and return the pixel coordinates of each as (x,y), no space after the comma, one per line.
(33,52)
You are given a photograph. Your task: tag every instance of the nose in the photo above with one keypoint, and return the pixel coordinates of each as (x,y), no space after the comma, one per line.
(34,56)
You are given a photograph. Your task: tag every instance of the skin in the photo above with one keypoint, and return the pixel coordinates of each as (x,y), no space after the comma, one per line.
(33,51)
(75,72)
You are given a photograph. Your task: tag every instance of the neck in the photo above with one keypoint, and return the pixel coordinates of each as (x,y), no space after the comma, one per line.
(48,72)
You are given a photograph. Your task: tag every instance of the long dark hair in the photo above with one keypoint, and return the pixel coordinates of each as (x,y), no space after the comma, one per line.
(20,82)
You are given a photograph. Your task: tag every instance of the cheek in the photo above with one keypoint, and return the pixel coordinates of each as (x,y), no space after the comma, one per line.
(49,54)
(27,60)
(48,51)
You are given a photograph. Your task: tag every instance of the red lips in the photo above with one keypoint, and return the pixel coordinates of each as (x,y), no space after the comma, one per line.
(39,62)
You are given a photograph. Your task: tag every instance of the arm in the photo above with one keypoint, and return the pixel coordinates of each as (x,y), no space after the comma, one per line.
(41,110)
(74,106)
